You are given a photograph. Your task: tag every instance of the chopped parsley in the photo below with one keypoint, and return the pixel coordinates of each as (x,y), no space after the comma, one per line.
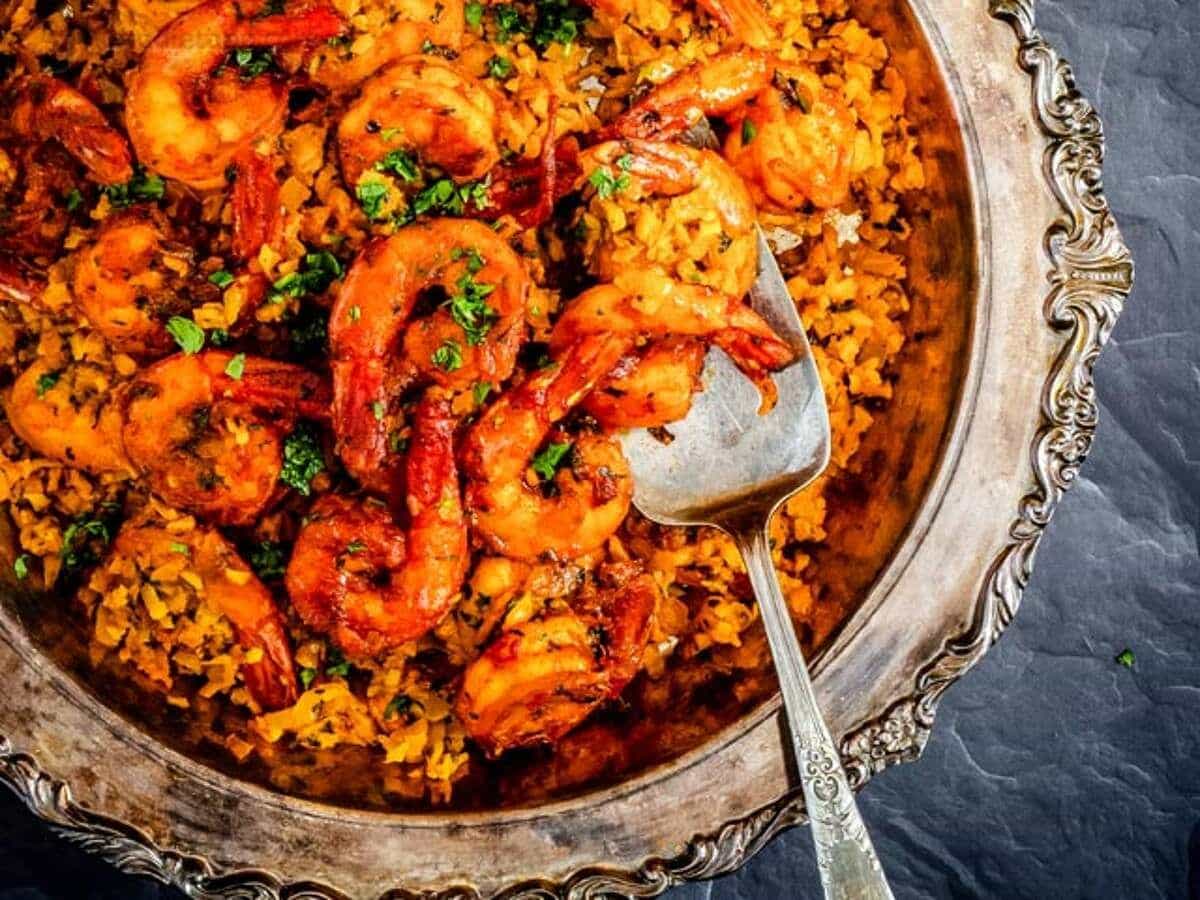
(372,195)
(319,270)
(448,357)
(77,537)
(354,314)
(1125,658)
(508,22)
(469,308)
(607,184)
(336,664)
(309,330)
(400,705)
(269,560)
(218,337)
(444,197)
(184,549)
(46,381)
(21,566)
(73,199)
(355,547)
(307,676)
(473,13)
(480,391)
(749,131)
(378,408)
(499,67)
(188,335)
(253,61)
(399,163)
(221,278)
(140,187)
(236,367)
(302,459)
(558,22)
(550,460)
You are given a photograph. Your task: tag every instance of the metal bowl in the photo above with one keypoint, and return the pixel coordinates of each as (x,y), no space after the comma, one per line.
(1018,274)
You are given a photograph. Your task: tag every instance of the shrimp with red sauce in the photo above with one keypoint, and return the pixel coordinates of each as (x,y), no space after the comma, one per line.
(542,678)
(366,581)
(207,433)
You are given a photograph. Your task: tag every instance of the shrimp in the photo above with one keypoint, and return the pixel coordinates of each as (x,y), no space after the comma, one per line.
(691,201)
(794,145)
(646,305)
(370,584)
(188,114)
(590,491)
(17,285)
(129,282)
(649,389)
(210,442)
(46,109)
(536,682)
(233,590)
(410,25)
(71,414)
(255,202)
(426,107)
(716,87)
(747,21)
(474,336)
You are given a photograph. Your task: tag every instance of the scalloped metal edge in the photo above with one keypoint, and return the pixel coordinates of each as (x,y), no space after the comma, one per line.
(1091,277)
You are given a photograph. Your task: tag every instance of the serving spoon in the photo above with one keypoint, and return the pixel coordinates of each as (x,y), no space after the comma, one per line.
(727,466)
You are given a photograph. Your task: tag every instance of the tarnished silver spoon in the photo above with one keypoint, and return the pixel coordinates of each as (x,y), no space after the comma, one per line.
(730,467)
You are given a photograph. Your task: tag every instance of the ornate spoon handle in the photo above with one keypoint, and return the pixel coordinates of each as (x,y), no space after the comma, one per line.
(846,859)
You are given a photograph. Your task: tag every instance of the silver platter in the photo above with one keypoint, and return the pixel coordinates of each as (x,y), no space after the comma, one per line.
(1021,272)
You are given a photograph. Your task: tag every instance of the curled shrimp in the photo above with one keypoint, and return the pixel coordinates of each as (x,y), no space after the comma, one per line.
(716,87)
(428,108)
(230,587)
(794,144)
(129,282)
(649,388)
(369,583)
(72,414)
(538,681)
(212,443)
(589,493)
(409,26)
(46,109)
(646,305)
(636,187)
(481,287)
(188,114)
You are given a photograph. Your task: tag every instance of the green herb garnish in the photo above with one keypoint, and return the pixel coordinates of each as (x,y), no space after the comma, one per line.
(236,367)
(46,381)
(399,163)
(269,560)
(21,566)
(499,67)
(221,278)
(480,391)
(318,271)
(448,357)
(188,335)
(140,187)
(748,131)
(550,460)
(606,184)
(372,195)
(1125,658)
(302,459)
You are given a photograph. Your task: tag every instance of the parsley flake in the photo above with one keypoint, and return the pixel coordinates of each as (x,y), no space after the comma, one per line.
(46,381)
(302,459)
(236,367)
(550,460)
(21,566)
(221,278)
(188,335)
(1125,658)
(448,357)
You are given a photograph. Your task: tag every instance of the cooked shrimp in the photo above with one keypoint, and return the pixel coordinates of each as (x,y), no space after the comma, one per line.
(647,305)
(410,25)
(46,109)
(539,680)
(591,487)
(371,585)
(234,591)
(255,202)
(426,107)
(473,337)
(794,144)
(188,114)
(71,414)
(649,389)
(711,240)
(17,285)
(130,281)
(746,21)
(212,443)
(715,87)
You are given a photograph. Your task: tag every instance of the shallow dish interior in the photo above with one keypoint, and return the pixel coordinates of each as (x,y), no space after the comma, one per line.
(871,508)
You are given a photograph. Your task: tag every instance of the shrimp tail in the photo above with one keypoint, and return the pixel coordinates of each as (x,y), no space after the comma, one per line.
(255,202)
(317,23)
(16,286)
(271,681)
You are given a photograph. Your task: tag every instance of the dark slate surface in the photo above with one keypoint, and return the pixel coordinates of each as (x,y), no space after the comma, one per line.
(1053,772)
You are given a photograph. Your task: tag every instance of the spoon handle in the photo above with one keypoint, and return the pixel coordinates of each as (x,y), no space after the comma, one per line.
(846,859)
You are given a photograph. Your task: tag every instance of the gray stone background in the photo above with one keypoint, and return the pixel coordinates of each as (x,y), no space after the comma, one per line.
(1053,772)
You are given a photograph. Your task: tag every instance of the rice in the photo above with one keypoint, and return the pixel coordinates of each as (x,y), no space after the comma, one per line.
(148,611)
